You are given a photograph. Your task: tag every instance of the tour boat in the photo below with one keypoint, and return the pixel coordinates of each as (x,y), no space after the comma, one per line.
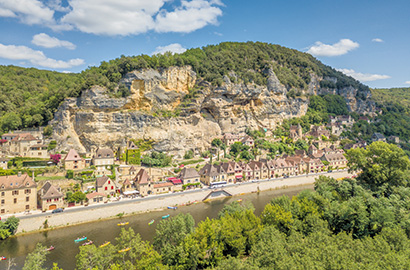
(105,244)
(80,239)
(88,243)
(124,250)
(151,222)
(123,223)
(172,207)
(50,248)
(3,258)
(166,216)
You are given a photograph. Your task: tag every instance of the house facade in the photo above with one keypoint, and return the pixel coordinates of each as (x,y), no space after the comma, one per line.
(50,197)
(18,193)
(73,161)
(105,185)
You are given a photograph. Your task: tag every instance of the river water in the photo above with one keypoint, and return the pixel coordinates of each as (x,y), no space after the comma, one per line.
(106,230)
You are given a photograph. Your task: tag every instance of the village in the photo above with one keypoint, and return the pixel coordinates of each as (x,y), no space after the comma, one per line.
(76,179)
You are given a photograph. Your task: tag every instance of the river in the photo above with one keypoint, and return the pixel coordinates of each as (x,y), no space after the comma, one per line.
(106,230)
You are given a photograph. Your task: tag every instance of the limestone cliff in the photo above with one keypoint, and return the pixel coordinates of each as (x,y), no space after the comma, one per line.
(178,111)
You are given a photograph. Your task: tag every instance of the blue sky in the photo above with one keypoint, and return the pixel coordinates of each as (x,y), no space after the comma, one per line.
(367,39)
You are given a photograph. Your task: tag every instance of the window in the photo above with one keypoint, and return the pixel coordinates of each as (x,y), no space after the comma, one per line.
(112,187)
(2,211)
(27,199)
(39,153)
(95,199)
(2,193)
(15,200)
(106,188)
(27,207)
(109,182)
(2,201)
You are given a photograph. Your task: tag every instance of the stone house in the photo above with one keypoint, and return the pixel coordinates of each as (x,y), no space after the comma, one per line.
(230,138)
(319,131)
(20,145)
(393,139)
(50,197)
(73,161)
(103,160)
(337,160)
(378,137)
(128,188)
(212,174)
(38,151)
(163,187)
(18,193)
(142,181)
(96,197)
(248,140)
(247,172)
(105,185)
(4,163)
(189,175)
(230,172)
(178,184)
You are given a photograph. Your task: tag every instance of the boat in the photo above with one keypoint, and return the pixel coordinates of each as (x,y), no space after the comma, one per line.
(3,258)
(124,250)
(172,207)
(80,239)
(88,243)
(123,223)
(105,244)
(166,216)
(151,222)
(239,200)
(50,248)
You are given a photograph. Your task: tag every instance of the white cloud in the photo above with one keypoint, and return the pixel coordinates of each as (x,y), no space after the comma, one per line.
(37,58)
(28,11)
(189,17)
(339,48)
(44,40)
(378,40)
(407,82)
(363,77)
(174,48)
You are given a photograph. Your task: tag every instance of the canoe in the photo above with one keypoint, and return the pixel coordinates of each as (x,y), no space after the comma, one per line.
(124,250)
(105,244)
(87,243)
(3,258)
(123,223)
(80,239)
(50,248)
(166,216)
(239,200)
(151,222)
(172,207)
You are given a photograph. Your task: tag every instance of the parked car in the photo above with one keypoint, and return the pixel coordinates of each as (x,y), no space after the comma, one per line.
(58,210)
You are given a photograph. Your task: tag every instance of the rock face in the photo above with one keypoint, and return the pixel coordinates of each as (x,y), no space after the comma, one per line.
(178,112)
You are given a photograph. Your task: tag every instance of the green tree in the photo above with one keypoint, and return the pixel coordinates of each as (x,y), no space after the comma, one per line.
(380,165)
(36,259)
(12,224)
(277,216)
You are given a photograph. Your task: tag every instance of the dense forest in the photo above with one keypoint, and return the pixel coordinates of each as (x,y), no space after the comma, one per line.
(355,223)
(29,97)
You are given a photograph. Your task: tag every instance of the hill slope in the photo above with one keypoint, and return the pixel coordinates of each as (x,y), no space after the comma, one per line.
(29,97)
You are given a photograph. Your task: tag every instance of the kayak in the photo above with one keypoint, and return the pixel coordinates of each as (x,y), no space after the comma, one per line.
(3,258)
(50,248)
(80,239)
(151,222)
(87,243)
(124,250)
(166,216)
(123,223)
(172,207)
(105,244)
(239,200)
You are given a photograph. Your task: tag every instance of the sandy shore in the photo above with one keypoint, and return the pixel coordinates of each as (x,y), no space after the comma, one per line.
(71,217)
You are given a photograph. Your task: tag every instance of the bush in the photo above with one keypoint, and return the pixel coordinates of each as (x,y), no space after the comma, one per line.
(69,174)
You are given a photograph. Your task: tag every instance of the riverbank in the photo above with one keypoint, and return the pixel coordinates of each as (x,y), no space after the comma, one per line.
(154,203)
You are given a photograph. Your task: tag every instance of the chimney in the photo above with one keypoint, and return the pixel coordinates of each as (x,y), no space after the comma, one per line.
(19,174)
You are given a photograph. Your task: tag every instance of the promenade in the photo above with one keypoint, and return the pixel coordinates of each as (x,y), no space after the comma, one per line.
(84,214)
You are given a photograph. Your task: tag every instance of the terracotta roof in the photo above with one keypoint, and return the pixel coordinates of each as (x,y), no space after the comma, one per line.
(228,167)
(188,173)
(24,137)
(132,169)
(10,182)
(100,181)
(48,191)
(72,156)
(104,153)
(94,194)
(126,182)
(165,184)
(142,177)
(210,170)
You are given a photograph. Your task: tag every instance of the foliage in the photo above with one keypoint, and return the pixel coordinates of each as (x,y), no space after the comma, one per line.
(52,145)
(77,197)
(157,159)
(36,259)
(382,165)
(55,158)
(189,154)
(48,131)
(69,174)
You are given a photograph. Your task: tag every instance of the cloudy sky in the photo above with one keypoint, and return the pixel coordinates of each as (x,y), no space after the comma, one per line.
(366,39)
